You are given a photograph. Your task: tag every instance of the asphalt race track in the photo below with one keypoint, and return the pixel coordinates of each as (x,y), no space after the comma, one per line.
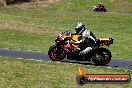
(118,63)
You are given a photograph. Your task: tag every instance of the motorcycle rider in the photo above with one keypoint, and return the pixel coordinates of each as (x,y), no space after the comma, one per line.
(87,40)
(100,5)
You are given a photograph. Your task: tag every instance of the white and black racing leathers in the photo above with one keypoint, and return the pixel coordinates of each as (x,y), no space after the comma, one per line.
(89,39)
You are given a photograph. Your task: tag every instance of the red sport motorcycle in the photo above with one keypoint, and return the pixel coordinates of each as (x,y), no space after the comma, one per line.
(62,49)
(99,9)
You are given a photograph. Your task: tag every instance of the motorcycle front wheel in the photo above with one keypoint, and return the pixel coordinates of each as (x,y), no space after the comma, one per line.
(56,54)
(102,56)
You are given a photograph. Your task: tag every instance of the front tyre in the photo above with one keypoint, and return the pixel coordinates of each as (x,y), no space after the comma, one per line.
(56,54)
(95,10)
(102,56)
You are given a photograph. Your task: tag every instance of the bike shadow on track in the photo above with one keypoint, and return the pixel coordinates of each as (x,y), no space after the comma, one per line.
(86,63)
(92,64)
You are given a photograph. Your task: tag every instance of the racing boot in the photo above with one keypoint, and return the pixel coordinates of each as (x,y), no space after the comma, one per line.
(77,49)
(84,52)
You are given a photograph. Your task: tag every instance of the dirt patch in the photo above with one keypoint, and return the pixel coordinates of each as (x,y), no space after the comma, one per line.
(120,2)
(28,28)
(48,1)
(31,3)
(2,3)
(43,2)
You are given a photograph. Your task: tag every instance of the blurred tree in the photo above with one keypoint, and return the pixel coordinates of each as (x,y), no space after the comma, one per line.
(2,3)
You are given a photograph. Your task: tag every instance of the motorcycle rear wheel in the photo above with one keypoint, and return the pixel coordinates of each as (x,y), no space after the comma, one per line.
(102,57)
(104,10)
(55,54)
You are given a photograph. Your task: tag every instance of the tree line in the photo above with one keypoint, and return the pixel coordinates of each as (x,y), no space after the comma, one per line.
(6,2)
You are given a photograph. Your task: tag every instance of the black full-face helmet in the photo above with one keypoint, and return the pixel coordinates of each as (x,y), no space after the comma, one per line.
(79,28)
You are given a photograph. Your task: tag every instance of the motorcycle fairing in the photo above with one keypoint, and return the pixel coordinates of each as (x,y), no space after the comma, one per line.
(74,38)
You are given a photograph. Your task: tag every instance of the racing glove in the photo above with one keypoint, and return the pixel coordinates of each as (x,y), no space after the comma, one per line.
(70,42)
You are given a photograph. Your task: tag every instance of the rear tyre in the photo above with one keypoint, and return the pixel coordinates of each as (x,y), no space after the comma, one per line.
(102,56)
(56,54)
(105,10)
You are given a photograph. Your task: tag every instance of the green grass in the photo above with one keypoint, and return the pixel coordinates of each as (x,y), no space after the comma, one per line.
(24,40)
(15,73)
(111,5)
(36,27)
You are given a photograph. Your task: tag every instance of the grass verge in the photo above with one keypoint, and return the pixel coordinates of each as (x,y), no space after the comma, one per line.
(15,73)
